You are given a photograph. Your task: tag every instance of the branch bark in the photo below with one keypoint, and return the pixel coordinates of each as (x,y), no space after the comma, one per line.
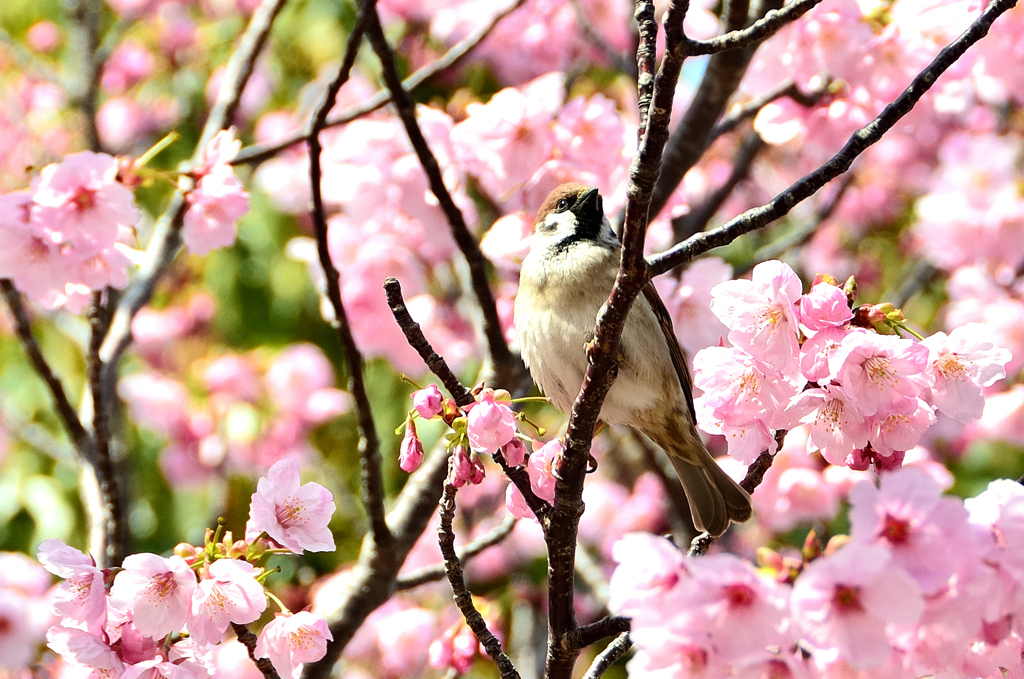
(432,573)
(861,140)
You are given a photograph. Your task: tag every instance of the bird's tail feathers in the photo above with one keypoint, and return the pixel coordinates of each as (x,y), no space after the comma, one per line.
(714,498)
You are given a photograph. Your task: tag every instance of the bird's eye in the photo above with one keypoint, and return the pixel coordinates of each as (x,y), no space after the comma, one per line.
(562,205)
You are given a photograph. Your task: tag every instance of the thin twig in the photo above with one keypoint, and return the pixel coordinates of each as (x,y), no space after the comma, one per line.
(463,598)
(260,152)
(23,328)
(787,88)
(698,218)
(751,480)
(433,573)
(647,42)
(863,138)
(461,395)
(506,365)
(759,31)
(609,656)
(166,232)
(369,445)
(691,137)
(585,635)
(85,45)
(248,639)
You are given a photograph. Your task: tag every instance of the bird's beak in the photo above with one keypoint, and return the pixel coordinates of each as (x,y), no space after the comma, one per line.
(589,208)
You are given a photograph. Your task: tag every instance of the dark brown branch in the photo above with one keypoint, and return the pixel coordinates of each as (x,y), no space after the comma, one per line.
(786,88)
(433,573)
(692,136)
(369,445)
(166,233)
(609,656)
(438,366)
(585,635)
(632,276)
(507,366)
(248,639)
(647,35)
(110,539)
(751,480)
(698,218)
(23,329)
(463,598)
(414,335)
(757,32)
(260,152)
(863,138)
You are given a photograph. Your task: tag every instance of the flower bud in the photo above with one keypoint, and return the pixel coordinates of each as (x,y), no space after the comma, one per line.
(850,288)
(812,547)
(239,549)
(411,452)
(428,402)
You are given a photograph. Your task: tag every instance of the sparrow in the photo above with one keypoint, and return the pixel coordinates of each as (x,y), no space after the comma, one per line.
(564,281)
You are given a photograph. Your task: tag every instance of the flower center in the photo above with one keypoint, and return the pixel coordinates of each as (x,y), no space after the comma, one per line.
(740,595)
(847,598)
(896,531)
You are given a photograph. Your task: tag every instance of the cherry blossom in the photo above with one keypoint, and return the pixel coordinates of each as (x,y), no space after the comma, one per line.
(490,424)
(411,452)
(295,516)
(229,594)
(875,370)
(291,640)
(157,592)
(428,401)
(81,598)
(842,603)
(962,363)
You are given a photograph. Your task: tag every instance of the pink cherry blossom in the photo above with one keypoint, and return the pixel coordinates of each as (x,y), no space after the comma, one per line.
(82,597)
(514,452)
(490,424)
(901,426)
(298,378)
(156,591)
(158,669)
(230,594)
(231,374)
(214,207)
(761,313)
(84,651)
(20,633)
(220,151)
(542,466)
(428,401)
(825,306)
(464,467)
(835,425)
(733,596)
(291,640)
(294,516)
(875,370)
(410,455)
(816,351)
(926,532)
(842,603)
(81,200)
(649,569)
(962,363)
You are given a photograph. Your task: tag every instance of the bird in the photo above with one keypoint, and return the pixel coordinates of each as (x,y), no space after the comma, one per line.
(564,281)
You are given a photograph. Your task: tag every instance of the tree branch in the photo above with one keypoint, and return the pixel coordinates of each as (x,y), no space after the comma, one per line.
(507,366)
(260,152)
(787,88)
(609,656)
(369,445)
(414,335)
(632,276)
(585,635)
(757,32)
(463,598)
(248,639)
(433,573)
(863,138)
(85,44)
(166,233)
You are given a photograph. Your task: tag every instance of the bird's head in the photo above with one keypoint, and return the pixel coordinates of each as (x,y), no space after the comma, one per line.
(572,214)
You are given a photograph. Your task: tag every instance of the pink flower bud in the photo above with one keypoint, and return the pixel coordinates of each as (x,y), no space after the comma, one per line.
(428,402)
(514,452)
(411,453)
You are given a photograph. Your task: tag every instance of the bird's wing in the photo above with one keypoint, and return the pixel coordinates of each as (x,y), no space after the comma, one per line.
(678,357)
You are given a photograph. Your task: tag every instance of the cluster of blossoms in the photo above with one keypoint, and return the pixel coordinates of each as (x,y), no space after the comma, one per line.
(71,233)
(924,584)
(865,393)
(485,427)
(163,616)
(253,412)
